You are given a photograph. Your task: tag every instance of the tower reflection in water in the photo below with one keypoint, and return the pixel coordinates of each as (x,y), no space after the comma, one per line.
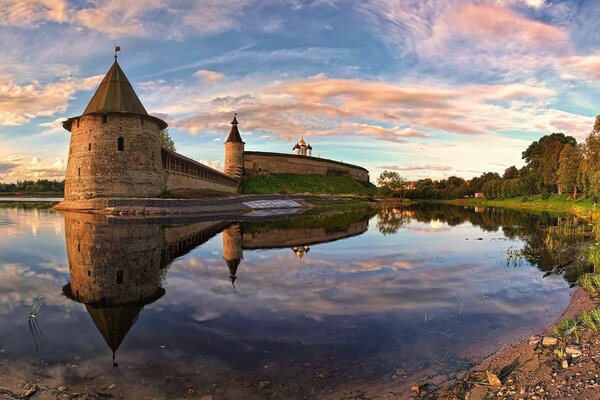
(117,266)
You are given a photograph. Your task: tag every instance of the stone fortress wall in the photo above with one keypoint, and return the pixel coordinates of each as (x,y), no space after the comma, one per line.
(115,152)
(187,178)
(265,163)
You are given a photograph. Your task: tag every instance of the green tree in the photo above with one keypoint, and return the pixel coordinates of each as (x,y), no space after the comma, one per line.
(511,173)
(390,183)
(568,170)
(542,159)
(165,140)
(594,189)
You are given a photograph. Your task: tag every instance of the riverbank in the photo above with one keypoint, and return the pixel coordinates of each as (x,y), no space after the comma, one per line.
(529,369)
(556,363)
(583,207)
(31,194)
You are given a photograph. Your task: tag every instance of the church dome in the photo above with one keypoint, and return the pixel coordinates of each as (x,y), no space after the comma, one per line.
(301,142)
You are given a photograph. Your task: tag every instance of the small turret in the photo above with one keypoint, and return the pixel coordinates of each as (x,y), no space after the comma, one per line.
(234,152)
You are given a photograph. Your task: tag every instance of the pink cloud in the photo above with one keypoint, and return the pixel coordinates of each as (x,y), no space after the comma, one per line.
(501,23)
(209,76)
(20,103)
(581,66)
(27,12)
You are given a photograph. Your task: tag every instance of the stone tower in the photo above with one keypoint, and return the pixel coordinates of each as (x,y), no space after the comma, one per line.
(115,146)
(232,249)
(234,152)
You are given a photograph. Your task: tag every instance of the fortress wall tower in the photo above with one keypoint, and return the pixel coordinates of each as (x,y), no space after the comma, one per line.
(115,146)
(234,152)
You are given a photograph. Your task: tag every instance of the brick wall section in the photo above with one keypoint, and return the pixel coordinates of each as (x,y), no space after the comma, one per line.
(96,167)
(187,178)
(263,163)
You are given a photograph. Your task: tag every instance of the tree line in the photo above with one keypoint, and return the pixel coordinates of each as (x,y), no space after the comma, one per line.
(555,163)
(39,186)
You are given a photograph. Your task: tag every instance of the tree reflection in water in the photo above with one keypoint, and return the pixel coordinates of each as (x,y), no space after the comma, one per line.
(554,243)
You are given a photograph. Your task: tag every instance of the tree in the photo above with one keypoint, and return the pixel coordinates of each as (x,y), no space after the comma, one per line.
(542,158)
(390,183)
(568,170)
(511,173)
(165,140)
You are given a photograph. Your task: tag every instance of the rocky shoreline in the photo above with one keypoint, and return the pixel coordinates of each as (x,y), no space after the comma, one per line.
(540,367)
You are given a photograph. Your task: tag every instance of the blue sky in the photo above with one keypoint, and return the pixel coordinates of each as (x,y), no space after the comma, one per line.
(427,88)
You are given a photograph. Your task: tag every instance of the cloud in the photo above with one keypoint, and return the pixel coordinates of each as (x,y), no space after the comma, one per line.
(418,167)
(18,167)
(580,66)
(379,132)
(209,76)
(7,166)
(391,111)
(27,12)
(120,18)
(469,39)
(20,103)
(214,164)
(501,24)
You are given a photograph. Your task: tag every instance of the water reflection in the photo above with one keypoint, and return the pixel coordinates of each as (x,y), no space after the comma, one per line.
(117,266)
(312,304)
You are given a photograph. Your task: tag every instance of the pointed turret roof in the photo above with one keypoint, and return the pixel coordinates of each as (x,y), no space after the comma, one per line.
(232,266)
(234,134)
(114,323)
(115,95)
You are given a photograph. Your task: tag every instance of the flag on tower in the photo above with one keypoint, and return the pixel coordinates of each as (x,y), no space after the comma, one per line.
(117,48)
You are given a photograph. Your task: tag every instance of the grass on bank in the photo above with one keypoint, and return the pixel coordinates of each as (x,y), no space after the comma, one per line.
(314,184)
(555,202)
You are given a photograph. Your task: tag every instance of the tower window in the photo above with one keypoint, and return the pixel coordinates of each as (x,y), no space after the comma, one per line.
(121,144)
(104,118)
(89,147)
(142,119)
(79,172)
(119,277)
(77,122)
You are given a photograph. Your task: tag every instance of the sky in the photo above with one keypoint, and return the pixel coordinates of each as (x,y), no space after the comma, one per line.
(425,88)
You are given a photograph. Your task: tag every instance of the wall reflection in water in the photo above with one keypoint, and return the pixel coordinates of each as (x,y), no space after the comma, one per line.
(117,266)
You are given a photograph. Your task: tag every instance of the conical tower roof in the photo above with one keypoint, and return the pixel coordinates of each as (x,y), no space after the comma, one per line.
(115,94)
(234,134)
(232,266)
(114,323)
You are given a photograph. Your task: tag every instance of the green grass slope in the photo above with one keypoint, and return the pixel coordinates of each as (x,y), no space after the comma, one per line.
(555,202)
(315,184)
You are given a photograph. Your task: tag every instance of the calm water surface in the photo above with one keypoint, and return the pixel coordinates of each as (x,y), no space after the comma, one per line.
(295,307)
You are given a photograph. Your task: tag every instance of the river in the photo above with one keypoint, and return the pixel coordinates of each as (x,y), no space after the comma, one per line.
(328,304)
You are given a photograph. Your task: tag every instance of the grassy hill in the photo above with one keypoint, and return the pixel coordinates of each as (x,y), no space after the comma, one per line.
(315,184)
